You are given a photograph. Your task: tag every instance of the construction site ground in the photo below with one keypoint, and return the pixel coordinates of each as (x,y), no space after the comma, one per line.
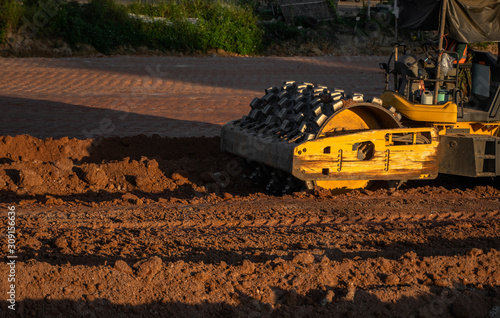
(125,206)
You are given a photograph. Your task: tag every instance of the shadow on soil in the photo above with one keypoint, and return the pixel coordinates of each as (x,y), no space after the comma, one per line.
(440,302)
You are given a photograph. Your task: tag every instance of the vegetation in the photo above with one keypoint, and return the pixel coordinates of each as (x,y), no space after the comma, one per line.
(187,26)
(101,23)
(184,25)
(11,12)
(170,25)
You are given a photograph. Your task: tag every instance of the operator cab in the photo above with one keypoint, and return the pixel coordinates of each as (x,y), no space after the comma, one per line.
(468,79)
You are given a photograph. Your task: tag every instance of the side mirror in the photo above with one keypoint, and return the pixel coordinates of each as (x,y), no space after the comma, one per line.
(383,66)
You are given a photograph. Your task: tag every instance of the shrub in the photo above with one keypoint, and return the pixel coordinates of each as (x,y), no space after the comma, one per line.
(231,28)
(181,36)
(11,12)
(101,23)
(188,25)
(220,25)
(106,25)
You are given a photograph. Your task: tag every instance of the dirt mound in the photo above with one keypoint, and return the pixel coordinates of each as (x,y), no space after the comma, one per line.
(28,148)
(106,169)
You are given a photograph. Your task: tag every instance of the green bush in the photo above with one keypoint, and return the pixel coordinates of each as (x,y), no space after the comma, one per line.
(231,28)
(169,10)
(220,25)
(106,25)
(181,36)
(11,12)
(101,23)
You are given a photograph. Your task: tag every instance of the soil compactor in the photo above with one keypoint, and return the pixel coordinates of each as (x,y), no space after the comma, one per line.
(442,116)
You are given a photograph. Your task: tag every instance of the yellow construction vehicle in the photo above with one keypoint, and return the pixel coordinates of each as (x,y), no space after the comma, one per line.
(442,116)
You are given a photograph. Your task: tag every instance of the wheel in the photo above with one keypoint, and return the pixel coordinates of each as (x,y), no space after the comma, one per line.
(300,112)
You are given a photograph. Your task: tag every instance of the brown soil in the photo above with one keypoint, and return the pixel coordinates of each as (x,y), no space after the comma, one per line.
(153,226)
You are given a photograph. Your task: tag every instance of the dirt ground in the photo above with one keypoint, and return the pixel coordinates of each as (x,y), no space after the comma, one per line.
(154,225)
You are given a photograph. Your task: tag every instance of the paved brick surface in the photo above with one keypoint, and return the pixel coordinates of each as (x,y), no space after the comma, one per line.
(169,96)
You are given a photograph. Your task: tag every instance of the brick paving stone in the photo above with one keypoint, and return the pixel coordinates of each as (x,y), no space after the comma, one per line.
(169,96)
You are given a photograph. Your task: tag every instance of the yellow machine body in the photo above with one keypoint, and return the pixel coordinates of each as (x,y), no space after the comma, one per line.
(472,128)
(446,113)
(338,158)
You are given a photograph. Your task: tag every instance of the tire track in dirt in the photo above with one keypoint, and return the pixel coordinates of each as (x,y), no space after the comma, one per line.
(366,219)
(267,254)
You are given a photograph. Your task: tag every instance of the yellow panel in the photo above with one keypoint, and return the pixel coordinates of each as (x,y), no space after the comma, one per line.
(446,113)
(474,128)
(336,158)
